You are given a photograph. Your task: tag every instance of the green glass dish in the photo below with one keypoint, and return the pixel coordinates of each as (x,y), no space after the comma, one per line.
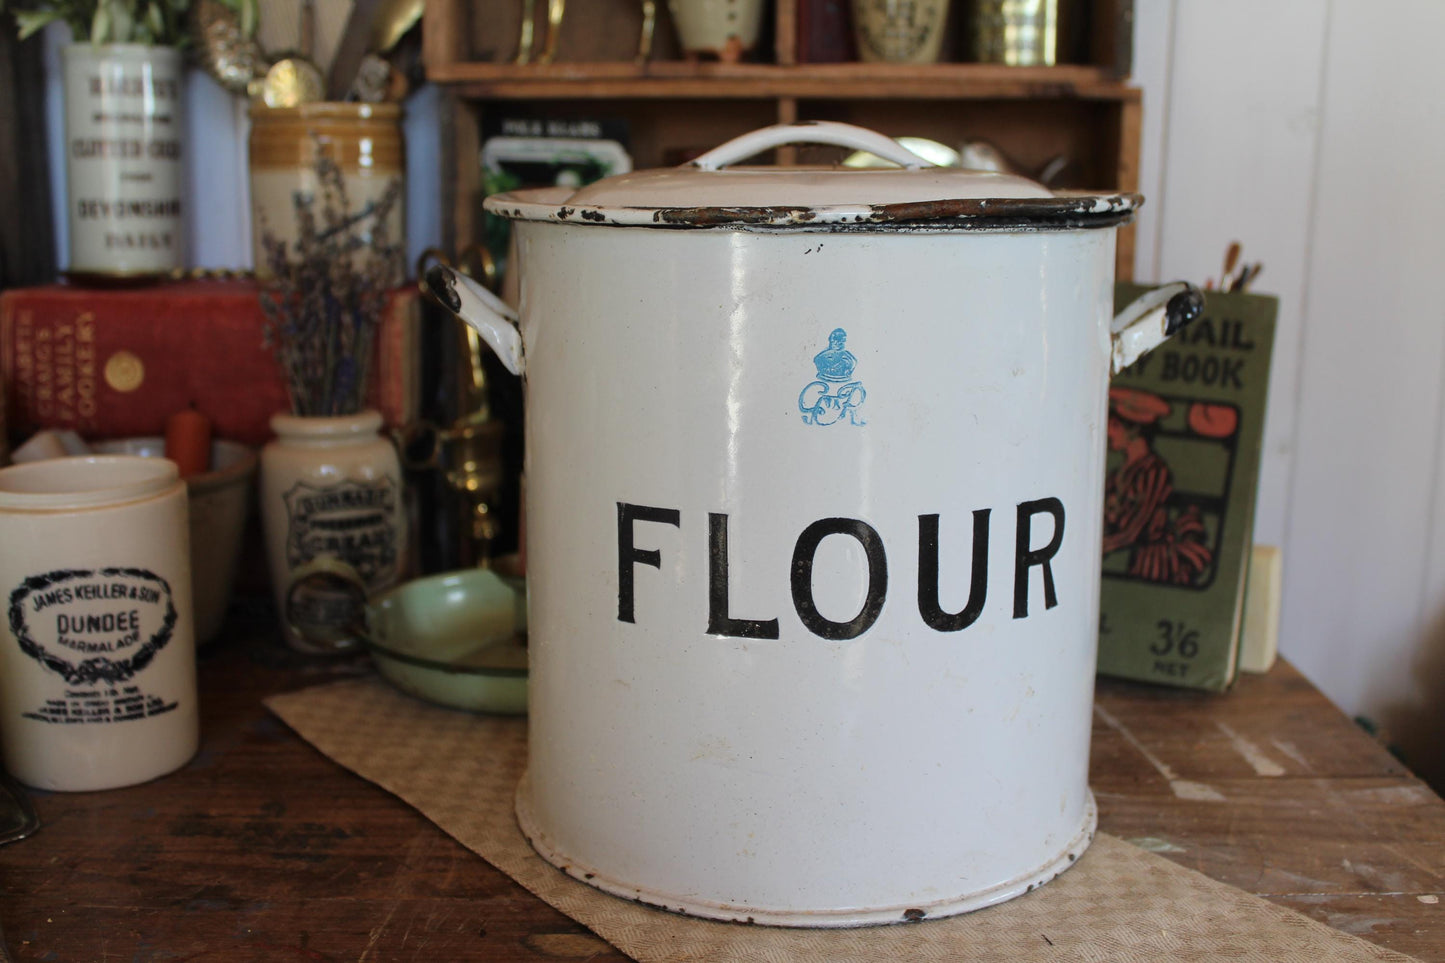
(456,640)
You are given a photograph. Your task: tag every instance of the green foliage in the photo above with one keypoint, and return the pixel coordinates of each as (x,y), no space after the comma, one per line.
(159,23)
(248,14)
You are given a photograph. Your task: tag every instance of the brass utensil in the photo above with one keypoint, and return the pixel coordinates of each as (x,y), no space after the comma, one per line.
(393,20)
(292,81)
(649,27)
(355,41)
(306,31)
(555,11)
(468,452)
(471,462)
(373,80)
(226,50)
(524,42)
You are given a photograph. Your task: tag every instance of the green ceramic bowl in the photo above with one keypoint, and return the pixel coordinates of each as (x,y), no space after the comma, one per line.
(457,640)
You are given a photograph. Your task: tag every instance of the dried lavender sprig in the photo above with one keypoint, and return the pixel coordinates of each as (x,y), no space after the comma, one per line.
(326,296)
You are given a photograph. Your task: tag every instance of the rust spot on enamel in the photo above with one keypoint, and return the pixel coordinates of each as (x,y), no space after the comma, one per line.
(714,216)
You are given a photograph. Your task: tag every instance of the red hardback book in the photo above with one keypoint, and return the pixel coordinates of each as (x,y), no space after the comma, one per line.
(118,363)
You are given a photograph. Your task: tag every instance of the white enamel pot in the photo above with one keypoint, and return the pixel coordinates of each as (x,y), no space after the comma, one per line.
(815,467)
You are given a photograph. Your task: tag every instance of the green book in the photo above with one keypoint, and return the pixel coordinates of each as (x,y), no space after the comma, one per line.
(1185,428)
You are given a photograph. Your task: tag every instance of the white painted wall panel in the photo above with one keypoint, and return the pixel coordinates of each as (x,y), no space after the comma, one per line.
(218,218)
(1153,61)
(1312,133)
(54,37)
(1242,106)
(1370,365)
(1416,713)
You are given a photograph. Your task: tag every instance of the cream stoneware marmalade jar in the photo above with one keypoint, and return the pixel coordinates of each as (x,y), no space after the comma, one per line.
(97,655)
(815,465)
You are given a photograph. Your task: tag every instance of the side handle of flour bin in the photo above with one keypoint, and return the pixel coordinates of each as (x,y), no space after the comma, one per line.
(488,314)
(1149,321)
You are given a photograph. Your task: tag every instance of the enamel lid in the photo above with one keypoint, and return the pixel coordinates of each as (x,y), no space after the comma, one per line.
(710,192)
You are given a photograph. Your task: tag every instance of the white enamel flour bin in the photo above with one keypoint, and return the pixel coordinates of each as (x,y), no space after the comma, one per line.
(815,481)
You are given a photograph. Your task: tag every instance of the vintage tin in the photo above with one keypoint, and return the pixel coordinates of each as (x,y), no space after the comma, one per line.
(124,160)
(1019,33)
(815,466)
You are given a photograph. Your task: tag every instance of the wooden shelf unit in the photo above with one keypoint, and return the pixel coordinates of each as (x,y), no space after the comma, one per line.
(675,107)
(680,78)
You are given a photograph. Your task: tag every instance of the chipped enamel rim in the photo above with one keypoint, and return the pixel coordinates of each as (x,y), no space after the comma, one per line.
(1065,211)
(1026,882)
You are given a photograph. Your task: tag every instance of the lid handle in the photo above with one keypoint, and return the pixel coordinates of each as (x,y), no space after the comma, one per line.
(809,132)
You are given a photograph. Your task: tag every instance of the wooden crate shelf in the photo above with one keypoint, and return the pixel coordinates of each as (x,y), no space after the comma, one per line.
(688,80)
(1084,111)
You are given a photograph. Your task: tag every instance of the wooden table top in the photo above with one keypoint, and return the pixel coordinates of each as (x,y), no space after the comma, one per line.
(262,849)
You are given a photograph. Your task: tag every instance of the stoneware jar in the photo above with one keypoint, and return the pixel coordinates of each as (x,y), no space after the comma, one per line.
(220,501)
(726,29)
(815,465)
(331,488)
(365,141)
(124,153)
(97,658)
(900,31)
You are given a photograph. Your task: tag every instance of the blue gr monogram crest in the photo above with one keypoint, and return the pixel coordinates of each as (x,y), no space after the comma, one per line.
(834,394)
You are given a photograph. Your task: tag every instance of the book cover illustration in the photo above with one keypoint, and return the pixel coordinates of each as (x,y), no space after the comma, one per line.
(1163,524)
(1184,431)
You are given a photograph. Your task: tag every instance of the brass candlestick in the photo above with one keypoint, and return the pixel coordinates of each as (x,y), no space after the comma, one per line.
(466,453)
